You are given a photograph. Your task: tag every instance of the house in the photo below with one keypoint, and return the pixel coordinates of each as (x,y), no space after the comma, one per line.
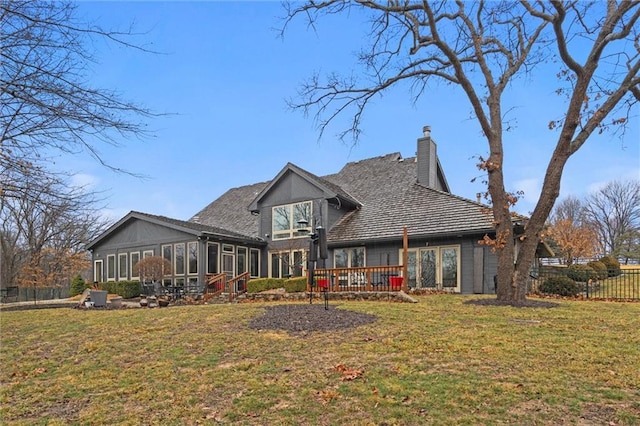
(264,228)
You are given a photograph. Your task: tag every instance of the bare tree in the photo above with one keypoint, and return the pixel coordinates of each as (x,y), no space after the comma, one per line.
(45,231)
(47,105)
(151,269)
(614,213)
(483,48)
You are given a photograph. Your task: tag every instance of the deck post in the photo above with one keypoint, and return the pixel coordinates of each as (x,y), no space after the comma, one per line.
(405,257)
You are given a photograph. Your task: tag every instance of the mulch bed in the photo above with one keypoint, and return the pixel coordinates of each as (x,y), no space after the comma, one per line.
(297,318)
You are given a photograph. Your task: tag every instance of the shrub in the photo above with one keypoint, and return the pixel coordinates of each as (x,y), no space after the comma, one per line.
(295,285)
(581,273)
(599,268)
(562,286)
(291,285)
(612,264)
(257,285)
(78,285)
(126,289)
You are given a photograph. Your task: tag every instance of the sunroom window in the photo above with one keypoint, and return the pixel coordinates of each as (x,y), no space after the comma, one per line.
(286,220)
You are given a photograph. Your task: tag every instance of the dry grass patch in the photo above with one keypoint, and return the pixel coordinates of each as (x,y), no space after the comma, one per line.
(441,361)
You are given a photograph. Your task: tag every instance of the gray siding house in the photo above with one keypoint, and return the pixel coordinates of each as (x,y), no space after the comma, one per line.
(264,228)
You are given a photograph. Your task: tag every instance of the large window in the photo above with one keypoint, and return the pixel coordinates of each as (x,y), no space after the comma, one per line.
(254,262)
(178,267)
(349,257)
(286,220)
(285,264)
(167,253)
(212,258)
(122,266)
(193,258)
(434,267)
(111,267)
(241,260)
(135,258)
(97,271)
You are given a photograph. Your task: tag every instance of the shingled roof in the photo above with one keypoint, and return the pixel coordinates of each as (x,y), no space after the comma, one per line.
(330,190)
(231,210)
(181,225)
(389,198)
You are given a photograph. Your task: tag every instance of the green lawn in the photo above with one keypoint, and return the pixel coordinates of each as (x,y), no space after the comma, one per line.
(439,361)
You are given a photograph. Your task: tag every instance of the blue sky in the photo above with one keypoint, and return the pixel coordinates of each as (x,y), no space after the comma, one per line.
(224,76)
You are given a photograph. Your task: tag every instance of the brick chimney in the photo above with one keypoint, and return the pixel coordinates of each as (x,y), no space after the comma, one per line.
(427,160)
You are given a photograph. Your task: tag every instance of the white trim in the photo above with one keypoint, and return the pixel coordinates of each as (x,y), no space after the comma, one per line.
(188,257)
(293,231)
(124,256)
(170,259)
(95,270)
(113,257)
(246,259)
(217,258)
(252,250)
(438,250)
(131,264)
(291,253)
(175,259)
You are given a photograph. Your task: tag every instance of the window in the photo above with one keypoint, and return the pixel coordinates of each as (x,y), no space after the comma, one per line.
(97,271)
(167,253)
(434,267)
(285,264)
(111,267)
(348,257)
(254,262)
(193,257)
(228,260)
(122,266)
(352,257)
(178,267)
(212,258)
(286,218)
(135,258)
(241,260)
(147,253)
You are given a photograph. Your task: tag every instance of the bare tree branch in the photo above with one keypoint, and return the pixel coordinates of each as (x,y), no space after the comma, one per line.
(483,47)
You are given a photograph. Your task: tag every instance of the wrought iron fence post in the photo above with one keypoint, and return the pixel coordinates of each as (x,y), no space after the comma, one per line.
(587,285)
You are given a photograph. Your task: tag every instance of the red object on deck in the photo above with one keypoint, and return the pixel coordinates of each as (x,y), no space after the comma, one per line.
(395,281)
(323,283)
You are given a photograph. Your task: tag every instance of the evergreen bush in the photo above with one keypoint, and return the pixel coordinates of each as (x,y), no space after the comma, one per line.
(78,285)
(613,266)
(599,268)
(562,286)
(581,273)
(126,289)
(295,285)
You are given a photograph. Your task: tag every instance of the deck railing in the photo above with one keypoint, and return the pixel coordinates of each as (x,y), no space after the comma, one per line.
(370,278)
(218,284)
(237,285)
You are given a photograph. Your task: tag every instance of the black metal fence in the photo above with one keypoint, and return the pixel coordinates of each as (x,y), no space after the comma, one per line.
(623,284)
(29,294)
